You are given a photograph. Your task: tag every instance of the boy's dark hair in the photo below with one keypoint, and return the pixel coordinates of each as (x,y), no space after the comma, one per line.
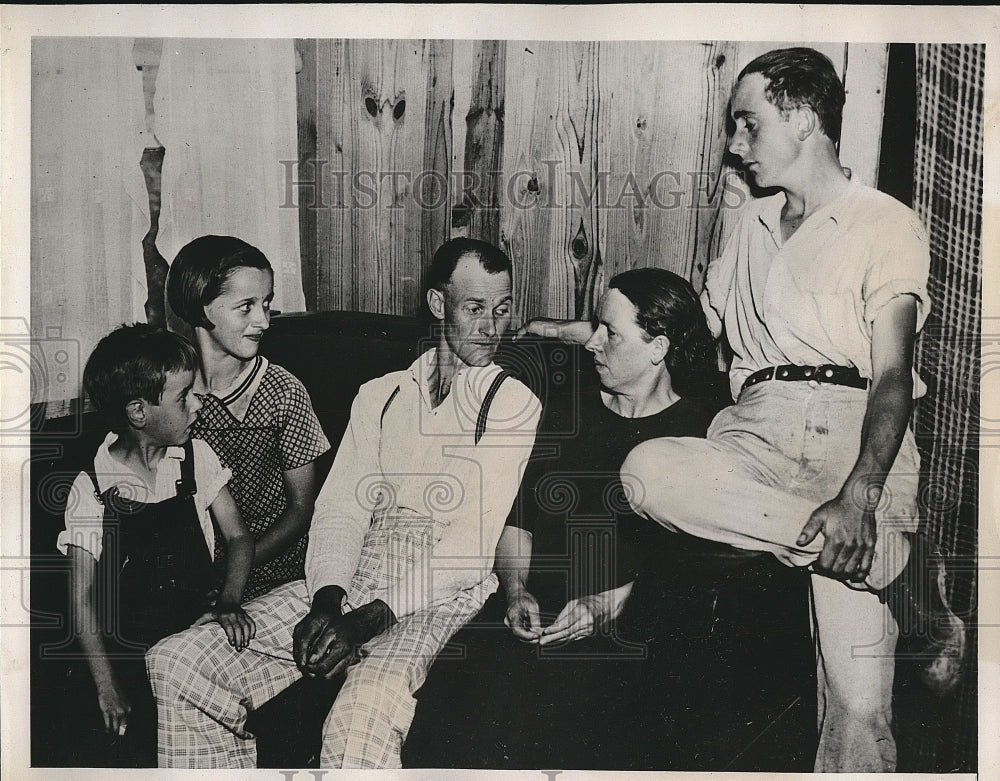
(667,305)
(131,363)
(800,76)
(200,270)
(448,254)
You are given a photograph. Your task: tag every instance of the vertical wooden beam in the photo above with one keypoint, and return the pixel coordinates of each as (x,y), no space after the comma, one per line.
(334,255)
(308,197)
(146,53)
(521,226)
(724,199)
(581,226)
(463,76)
(864,80)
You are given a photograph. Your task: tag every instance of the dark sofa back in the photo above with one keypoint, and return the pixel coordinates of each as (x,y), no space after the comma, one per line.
(332,353)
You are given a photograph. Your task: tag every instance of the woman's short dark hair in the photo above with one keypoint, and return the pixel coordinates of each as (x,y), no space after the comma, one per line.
(200,270)
(132,362)
(800,76)
(666,305)
(446,258)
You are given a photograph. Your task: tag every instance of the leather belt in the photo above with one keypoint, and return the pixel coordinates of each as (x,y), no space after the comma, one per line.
(829,374)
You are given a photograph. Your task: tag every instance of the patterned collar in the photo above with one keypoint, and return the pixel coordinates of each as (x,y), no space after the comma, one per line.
(249,379)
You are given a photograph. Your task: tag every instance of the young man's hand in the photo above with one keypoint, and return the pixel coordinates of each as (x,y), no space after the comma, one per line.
(849,534)
(571,331)
(238,625)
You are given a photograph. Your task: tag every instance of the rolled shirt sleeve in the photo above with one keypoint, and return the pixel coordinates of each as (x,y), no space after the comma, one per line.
(902,268)
(84,518)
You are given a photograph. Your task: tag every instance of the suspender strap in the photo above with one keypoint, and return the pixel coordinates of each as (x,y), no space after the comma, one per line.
(93,478)
(484,411)
(187,486)
(385,409)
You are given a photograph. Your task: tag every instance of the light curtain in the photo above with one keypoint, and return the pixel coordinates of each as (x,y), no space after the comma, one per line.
(226,116)
(89,206)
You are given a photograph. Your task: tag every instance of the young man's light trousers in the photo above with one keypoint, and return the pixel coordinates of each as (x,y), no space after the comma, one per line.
(768,463)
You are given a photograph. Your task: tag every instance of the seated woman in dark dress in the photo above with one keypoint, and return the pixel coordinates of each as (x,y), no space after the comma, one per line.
(548,676)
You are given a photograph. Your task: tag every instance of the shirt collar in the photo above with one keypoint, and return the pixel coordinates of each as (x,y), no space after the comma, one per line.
(173,451)
(108,468)
(422,368)
(836,210)
(770,213)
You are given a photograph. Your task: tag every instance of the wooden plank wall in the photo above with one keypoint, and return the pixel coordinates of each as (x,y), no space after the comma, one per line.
(375,121)
(581,159)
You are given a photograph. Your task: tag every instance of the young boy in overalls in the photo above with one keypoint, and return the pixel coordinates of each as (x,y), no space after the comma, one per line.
(139,528)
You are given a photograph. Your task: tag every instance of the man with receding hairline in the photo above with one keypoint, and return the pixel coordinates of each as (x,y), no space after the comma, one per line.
(400,550)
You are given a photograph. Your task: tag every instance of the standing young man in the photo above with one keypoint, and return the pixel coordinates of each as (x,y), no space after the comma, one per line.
(821,291)
(400,550)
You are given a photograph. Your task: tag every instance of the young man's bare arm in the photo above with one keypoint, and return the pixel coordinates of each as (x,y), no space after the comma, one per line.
(848,520)
(570,331)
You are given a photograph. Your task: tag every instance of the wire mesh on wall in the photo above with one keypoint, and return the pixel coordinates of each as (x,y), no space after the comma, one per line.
(948,196)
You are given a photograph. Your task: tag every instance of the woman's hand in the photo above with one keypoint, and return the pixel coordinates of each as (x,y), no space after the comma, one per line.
(584,616)
(114,706)
(239,627)
(522,616)
(580,618)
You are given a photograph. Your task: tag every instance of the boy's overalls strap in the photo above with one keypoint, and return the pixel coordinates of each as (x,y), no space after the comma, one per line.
(156,559)
(186,485)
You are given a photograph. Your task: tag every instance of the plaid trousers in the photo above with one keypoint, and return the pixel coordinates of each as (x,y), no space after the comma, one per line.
(204,688)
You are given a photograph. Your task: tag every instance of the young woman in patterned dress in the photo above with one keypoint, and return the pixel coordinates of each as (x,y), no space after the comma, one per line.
(256,415)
